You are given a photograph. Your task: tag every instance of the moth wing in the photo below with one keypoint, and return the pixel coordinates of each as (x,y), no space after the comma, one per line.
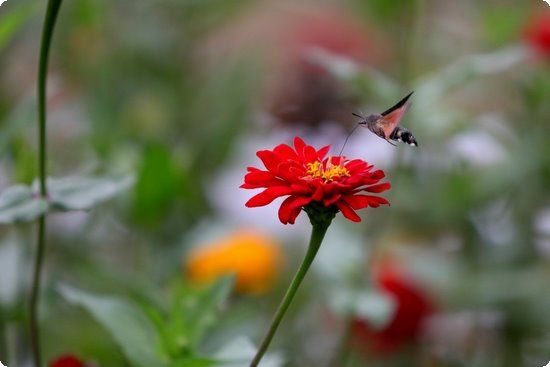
(391,118)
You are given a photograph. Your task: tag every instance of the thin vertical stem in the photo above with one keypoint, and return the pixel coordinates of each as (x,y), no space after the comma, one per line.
(47,31)
(35,290)
(317,235)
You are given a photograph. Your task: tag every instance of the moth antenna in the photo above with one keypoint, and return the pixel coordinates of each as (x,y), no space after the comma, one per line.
(390,142)
(357,115)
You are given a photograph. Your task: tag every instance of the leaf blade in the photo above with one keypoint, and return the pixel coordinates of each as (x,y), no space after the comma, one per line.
(83,193)
(19,204)
(128,325)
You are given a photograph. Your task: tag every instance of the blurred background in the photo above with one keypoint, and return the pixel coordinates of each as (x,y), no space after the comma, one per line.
(181,94)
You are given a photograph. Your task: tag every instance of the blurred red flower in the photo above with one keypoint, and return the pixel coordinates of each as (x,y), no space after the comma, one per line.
(304,91)
(67,361)
(413,307)
(306,176)
(330,30)
(538,33)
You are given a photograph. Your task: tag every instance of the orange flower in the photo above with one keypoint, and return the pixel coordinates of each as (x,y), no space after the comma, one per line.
(253,257)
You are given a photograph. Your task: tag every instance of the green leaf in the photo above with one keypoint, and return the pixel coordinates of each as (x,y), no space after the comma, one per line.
(19,204)
(128,325)
(193,311)
(83,193)
(203,315)
(17,118)
(194,362)
(13,20)
(157,186)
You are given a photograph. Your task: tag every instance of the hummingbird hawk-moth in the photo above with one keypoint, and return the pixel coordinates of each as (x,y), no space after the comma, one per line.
(386,124)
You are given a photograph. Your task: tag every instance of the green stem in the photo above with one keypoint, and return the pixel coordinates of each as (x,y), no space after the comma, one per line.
(35,290)
(317,235)
(47,31)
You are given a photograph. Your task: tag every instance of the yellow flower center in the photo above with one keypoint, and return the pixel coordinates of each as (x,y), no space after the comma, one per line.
(328,173)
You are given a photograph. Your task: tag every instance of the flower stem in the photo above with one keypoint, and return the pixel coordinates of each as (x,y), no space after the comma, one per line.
(317,235)
(47,32)
(35,290)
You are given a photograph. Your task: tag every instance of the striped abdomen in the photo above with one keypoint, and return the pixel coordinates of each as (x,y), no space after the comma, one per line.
(404,135)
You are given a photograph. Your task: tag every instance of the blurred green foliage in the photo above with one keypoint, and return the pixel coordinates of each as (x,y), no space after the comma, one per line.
(168,91)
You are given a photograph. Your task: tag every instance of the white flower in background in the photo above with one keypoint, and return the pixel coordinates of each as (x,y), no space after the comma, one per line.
(1,364)
(2,2)
(495,223)
(547,2)
(477,147)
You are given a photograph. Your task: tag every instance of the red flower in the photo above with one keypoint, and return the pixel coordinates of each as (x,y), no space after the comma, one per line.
(538,34)
(331,30)
(305,92)
(413,307)
(306,176)
(67,361)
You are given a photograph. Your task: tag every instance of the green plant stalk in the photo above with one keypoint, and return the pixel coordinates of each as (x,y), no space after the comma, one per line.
(317,235)
(34,331)
(47,31)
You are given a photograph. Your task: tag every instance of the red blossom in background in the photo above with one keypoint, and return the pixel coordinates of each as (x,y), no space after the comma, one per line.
(330,30)
(414,306)
(305,175)
(537,34)
(305,92)
(67,361)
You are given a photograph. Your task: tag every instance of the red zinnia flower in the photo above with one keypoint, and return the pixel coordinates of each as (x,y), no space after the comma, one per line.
(413,304)
(67,361)
(306,176)
(538,34)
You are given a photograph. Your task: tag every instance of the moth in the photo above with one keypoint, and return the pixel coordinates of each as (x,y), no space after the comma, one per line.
(386,124)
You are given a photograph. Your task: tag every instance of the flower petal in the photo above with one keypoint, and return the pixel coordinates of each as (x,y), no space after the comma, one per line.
(262,179)
(269,159)
(347,211)
(319,193)
(249,186)
(376,201)
(286,152)
(321,153)
(291,208)
(268,195)
(377,175)
(378,188)
(300,189)
(356,165)
(310,154)
(290,172)
(299,145)
(357,202)
(331,200)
